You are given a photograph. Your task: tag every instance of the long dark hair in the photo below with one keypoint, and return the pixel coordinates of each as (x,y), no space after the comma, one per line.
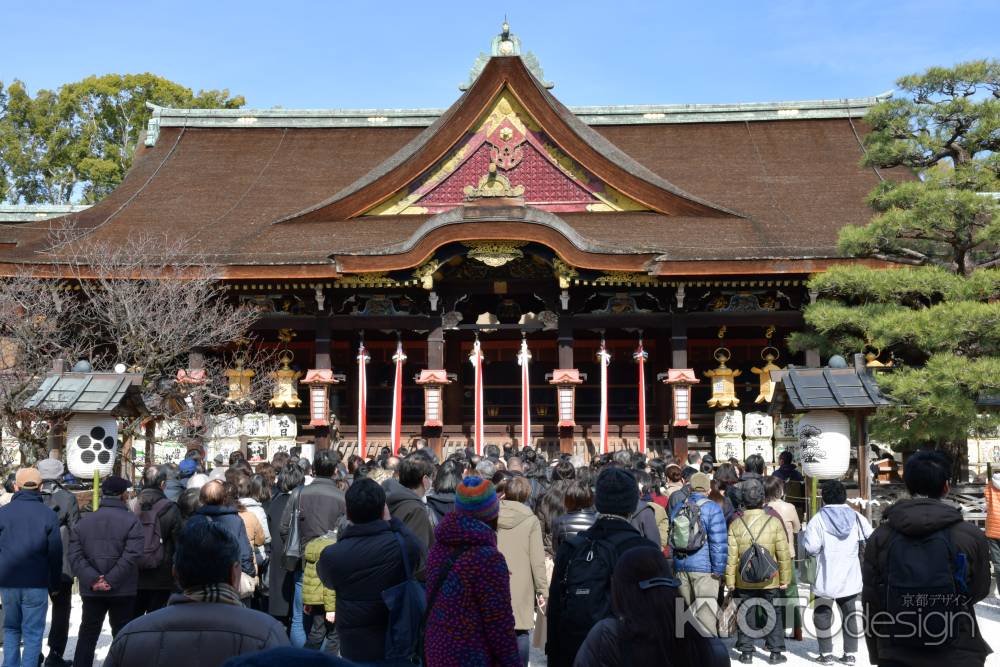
(648,616)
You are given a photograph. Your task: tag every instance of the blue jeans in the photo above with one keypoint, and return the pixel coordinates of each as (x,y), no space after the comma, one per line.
(297,633)
(24,619)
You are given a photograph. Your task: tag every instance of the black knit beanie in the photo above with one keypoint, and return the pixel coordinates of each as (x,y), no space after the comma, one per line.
(616,492)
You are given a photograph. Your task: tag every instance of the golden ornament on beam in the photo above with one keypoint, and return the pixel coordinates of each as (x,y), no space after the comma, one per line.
(723,383)
(769,355)
(871,358)
(286,389)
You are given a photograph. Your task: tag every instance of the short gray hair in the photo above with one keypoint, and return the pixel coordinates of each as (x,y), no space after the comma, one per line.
(487,469)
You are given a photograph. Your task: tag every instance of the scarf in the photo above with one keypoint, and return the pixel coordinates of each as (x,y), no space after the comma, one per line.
(222,593)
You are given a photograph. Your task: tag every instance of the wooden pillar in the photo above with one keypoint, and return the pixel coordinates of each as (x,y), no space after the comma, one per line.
(679,359)
(455,362)
(322,361)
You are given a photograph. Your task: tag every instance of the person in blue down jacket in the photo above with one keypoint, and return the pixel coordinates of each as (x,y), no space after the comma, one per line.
(31,558)
(701,572)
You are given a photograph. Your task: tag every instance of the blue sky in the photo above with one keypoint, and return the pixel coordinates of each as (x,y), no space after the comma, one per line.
(295,53)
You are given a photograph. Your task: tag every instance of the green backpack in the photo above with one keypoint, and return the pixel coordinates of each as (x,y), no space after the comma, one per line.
(687,532)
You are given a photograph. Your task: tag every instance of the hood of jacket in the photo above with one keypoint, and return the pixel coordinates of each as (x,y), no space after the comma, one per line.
(442,503)
(459,530)
(839,520)
(216,510)
(149,497)
(917,517)
(250,503)
(396,493)
(513,514)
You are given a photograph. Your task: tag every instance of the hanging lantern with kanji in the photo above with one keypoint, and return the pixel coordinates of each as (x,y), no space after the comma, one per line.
(723,381)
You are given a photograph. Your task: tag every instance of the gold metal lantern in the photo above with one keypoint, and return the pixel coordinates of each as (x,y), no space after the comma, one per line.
(723,381)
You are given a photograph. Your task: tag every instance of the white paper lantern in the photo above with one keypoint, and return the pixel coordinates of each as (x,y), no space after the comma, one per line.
(91,444)
(762,446)
(825,444)
(758,425)
(728,422)
(728,447)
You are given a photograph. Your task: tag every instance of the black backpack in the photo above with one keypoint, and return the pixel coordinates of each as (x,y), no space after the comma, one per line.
(922,590)
(757,564)
(587,584)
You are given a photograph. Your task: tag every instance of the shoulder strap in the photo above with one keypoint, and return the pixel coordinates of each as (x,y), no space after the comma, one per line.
(402,550)
(452,559)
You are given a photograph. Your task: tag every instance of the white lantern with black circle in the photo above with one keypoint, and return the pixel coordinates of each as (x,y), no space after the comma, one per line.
(92,445)
(825,444)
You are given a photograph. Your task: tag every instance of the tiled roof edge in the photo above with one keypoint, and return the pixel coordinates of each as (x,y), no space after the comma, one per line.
(13,213)
(639,114)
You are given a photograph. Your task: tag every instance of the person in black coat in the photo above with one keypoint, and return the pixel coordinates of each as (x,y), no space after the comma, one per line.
(67,510)
(104,552)
(214,509)
(281,582)
(156,584)
(405,500)
(580,513)
(365,561)
(31,560)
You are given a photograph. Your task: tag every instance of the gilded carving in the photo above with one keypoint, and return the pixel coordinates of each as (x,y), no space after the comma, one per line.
(367,280)
(564,272)
(493,184)
(425,273)
(630,278)
(495,253)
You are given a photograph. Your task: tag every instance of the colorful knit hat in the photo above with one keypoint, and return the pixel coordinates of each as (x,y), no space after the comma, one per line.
(477,498)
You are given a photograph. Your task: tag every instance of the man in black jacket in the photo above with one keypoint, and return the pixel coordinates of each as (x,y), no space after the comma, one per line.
(104,552)
(365,561)
(30,567)
(573,610)
(67,510)
(156,583)
(321,504)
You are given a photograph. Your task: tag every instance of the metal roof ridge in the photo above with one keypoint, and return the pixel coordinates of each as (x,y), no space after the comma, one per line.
(594,115)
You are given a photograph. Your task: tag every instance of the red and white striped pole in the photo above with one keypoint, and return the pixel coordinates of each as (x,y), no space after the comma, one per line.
(476,358)
(640,357)
(363,360)
(397,399)
(604,360)
(523,357)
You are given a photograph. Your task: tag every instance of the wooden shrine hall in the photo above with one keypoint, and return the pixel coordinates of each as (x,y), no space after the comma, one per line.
(507,222)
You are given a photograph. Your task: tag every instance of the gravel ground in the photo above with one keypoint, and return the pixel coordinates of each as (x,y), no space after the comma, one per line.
(799,653)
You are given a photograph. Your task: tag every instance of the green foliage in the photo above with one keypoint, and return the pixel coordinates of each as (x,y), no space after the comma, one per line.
(939,318)
(77,143)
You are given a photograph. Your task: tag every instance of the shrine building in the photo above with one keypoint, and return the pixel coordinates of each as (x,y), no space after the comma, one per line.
(516,222)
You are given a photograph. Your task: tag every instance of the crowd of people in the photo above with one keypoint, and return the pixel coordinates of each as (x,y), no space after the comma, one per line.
(401,560)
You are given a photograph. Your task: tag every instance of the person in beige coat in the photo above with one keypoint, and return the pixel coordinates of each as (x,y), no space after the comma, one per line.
(519,538)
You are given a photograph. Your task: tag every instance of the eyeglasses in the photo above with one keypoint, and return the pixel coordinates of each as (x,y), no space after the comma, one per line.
(668,582)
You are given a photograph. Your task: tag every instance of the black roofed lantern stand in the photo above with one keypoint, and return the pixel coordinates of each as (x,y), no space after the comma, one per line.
(827,398)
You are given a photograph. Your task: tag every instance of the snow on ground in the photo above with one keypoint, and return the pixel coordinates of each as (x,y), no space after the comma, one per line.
(799,654)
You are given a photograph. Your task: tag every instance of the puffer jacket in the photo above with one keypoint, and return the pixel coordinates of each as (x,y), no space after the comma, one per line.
(519,538)
(472,608)
(194,634)
(107,542)
(228,518)
(918,517)
(67,510)
(713,555)
(771,537)
(365,561)
(313,590)
(570,525)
